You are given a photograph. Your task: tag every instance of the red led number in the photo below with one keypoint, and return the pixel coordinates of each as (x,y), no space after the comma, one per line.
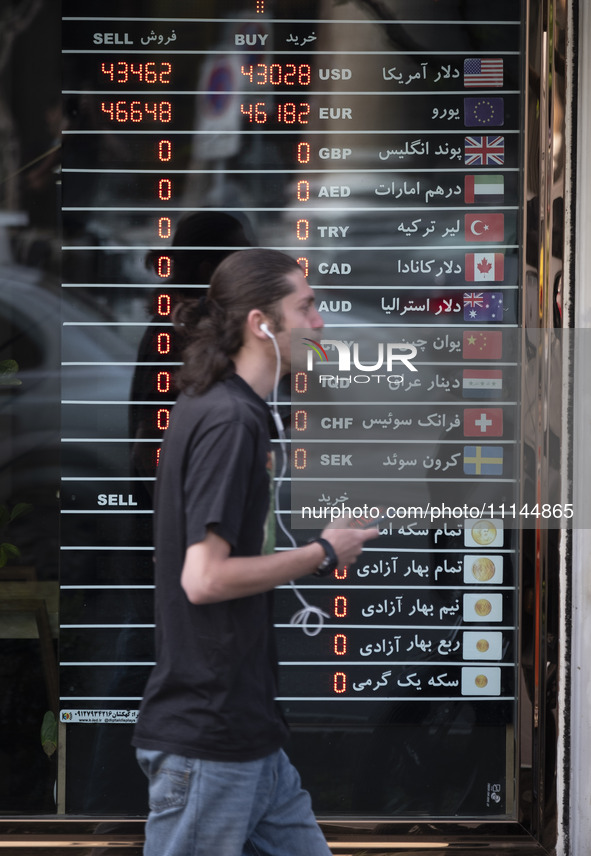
(137,111)
(303,230)
(164,266)
(300,381)
(304,263)
(300,420)
(300,459)
(278,75)
(339,682)
(164,305)
(303,191)
(287,114)
(339,644)
(162,418)
(149,72)
(164,151)
(304,152)
(164,227)
(165,189)
(163,344)
(163,382)
(340,606)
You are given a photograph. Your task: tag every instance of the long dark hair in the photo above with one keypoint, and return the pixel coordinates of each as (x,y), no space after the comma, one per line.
(213,327)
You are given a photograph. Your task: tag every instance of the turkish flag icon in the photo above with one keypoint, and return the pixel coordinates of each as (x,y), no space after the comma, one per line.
(484,227)
(483,422)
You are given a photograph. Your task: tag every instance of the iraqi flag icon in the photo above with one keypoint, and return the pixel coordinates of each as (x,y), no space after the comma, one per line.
(482,383)
(484,227)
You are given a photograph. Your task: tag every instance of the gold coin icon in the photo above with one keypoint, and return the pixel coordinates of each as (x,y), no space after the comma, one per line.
(483,569)
(482,646)
(484,532)
(483,606)
(481,681)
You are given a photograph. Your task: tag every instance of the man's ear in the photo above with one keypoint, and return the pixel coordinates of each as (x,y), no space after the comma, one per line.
(254,320)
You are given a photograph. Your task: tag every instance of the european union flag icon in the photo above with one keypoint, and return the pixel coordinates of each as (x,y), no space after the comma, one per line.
(484,112)
(483,460)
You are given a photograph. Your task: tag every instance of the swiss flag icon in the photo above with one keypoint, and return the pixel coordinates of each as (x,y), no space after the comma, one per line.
(483,422)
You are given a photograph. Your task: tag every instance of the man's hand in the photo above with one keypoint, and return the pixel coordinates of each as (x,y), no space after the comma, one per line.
(348,542)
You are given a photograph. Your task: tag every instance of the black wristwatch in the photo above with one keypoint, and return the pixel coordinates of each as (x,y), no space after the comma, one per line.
(330,562)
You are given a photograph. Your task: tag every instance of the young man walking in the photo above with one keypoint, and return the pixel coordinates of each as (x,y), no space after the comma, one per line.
(210,734)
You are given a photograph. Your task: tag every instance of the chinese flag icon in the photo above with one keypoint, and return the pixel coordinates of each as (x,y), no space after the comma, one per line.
(482,344)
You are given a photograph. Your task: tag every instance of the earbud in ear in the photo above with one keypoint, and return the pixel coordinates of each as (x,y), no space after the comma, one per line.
(266,331)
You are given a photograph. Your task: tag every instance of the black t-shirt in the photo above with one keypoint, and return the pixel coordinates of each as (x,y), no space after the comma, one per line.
(211,694)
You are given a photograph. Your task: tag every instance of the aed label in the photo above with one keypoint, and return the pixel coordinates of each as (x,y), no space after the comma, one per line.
(111,39)
(117,499)
(334,191)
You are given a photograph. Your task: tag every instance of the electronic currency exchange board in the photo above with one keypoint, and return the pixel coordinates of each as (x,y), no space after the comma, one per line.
(380,144)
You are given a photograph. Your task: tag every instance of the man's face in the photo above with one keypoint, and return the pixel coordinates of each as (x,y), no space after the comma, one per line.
(298,312)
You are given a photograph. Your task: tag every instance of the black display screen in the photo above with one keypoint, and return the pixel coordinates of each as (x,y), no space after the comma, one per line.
(380,144)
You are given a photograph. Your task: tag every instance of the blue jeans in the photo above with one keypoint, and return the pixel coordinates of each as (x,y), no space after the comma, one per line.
(214,808)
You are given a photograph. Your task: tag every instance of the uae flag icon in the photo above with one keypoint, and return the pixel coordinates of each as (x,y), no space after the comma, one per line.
(484,189)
